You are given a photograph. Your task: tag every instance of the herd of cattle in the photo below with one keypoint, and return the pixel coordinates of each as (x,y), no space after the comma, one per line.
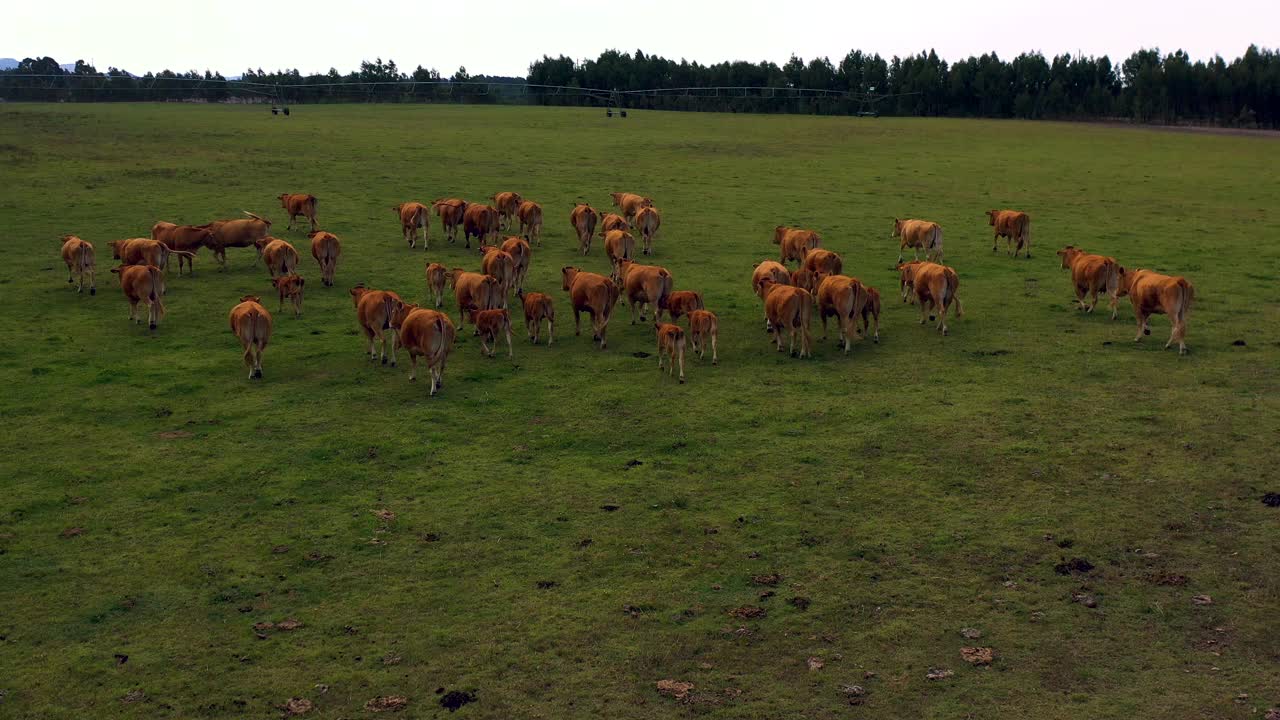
(790,297)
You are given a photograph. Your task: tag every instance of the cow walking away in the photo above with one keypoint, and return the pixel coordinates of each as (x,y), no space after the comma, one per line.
(374,310)
(619,245)
(794,243)
(704,326)
(492,324)
(844,298)
(143,284)
(437,277)
(78,255)
(1012,225)
(613,221)
(426,334)
(450,212)
(501,265)
(823,262)
(593,294)
(290,286)
(871,313)
(788,308)
(1090,275)
(280,257)
(645,285)
(1154,294)
(919,235)
(538,307)
(507,204)
(647,221)
(583,219)
(474,291)
(935,289)
(530,214)
(296,204)
(325,248)
(251,323)
(682,302)
(414,215)
(768,270)
(521,256)
(482,222)
(630,204)
(670,347)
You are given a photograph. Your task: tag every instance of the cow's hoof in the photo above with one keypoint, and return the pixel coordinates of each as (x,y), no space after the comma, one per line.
(413,379)
(876,341)
(384,361)
(93,291)
(152,326)
(793,354)
(1145,331)
(393,363)
(715,362)
(69,281)
(681,381)
(932,318)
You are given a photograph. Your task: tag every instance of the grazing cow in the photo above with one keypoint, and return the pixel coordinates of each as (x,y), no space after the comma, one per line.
(630,203)
(538,307)
(499,263)
(613,221)
(481,221)
(143,284)
(1091,274)
(325,248)
(823,262)
(1012,225)
(788,308)
(906,279)
(507,204)
(474,291)
(521,256)
(252,324)
(374,309)
(428,334)
(593,294)
(279,256)
(437,277)
(935,287)
(648,220)
(768,270)
(645,285)
(414,215)
(844,298)
(670,347)
(794,243)
(1154,294)
(300,204)
(919,235)
(490,324)
(871,311)
(244,232)
(807,279)
(583,218)
(450,212)
(704,326)
(618,245)
(182,239)
(78,255)
(530,214)
(290,286)
(682,302)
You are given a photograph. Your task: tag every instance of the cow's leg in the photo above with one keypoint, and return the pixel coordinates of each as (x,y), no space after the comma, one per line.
(1142,324)
(777,337)
(1115,307)
(413,367)
(942,318)
(510,351)
(551,332)
(715,359)
(395,345)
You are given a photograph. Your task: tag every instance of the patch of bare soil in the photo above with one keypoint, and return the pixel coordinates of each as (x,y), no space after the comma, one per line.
(174,434)
(748,612)
(297,706)
(384,703)
(977,655)
(677,689)
(771,579)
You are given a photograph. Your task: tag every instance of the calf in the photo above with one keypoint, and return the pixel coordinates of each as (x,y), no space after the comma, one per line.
(279,256)
(645,285)
(1012,225)
(490,324)
(428,334)
(618,245)
(919,235)
(768,270)
(374,310)
(935,288)
(1154,294)
(143,284)
(871,311)
(1091,274)
(521,255)
(704,326)
(538,307)
(299,204)
(251,323)
(414,215)
(437,276)
(788,308)
(648,220)
(501,265)
(583,218)
(290,286)
(844,298)
(682,302)
(185,240)
(78,255)
(593,294)
(507,205)
(325,248)
(474,291)
(450,212)
(530,214)
(794,243)
(670,347)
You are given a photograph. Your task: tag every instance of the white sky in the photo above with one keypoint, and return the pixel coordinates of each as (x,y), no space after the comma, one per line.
(499,37)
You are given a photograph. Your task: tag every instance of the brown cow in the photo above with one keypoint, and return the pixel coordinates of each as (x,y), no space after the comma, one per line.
(521,254)
(683,302)
(183,238)
(245,232)
(481,221)
(414,215)
(325,248)
(1014,226)
(1091,274)
(593,294)
(530,214)
(645,285)
(499,263)
(648,220)
(871,311)
(252,324)
(935,287)
(490,324)
(630,203)
(450,212)
(906,275)
(538,307)
(299,204)
(788,308)
(844,298)
(78,255)
(374,309)
(704,326)
(794,243)
(768,270)
(618,245)
(1154,294)
(280,257)
(437,276)
(474,291)
(507,204)
(143,284)
(426,333)
(823,262)
(290,286)
(807,279)
(919,235)
(613,221)
(670,347)
(144,251)
(583,218)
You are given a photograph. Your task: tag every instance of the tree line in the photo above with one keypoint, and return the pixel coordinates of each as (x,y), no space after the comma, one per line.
(1147,87)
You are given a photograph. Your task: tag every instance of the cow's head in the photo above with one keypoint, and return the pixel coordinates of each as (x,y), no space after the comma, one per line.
(1069,254)
(453,275)
(991,217)
(401,311)
(250,298)
(778,233)
(567,274)
(897,227)
(806,279)
(358,292)
(1124,280)
(116,246)
(284,200)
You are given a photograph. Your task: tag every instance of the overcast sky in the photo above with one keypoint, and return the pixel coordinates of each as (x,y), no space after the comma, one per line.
(498,37)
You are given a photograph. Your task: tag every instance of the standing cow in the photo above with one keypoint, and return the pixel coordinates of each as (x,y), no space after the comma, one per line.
(704,326)
(583,219)
(1012,225)
(243,232)
(919,235)
(251,323)
(414,215)
(78,255)
(325,248)
(538,307)
(507,204)
(428,334)
(143,284)
(480,221)
(794,243)
(182,239)
(844,298)
(530,214)
(299,204)
(593,294)
(645,285)
(450,212)
(648,220)
(935,289)
(788,308)
(374,310)
(670,347)
(630,204)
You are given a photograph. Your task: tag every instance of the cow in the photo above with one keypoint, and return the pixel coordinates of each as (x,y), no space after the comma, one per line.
(144,251)
(414,215)
(805,278)
(648,220)
(182,238)
(251,323)
(499,263)
(844,298)
(530,215)
(78,255)
(768,270)
(280,257)
(788,308)
(704,326)
(583,218)
(428,334)
(325,248)
(507,204)
(290,286)
(437,277)
(481,221)
(906,274)
(521,255)
(374,309)
(538,307)
(683,302)
(645,285)
(242,232)
(794,243)
(450,212)
(670,347)
(593,294)
(618,245)
(871,311)
(630,203)
(919,235)
(1012,225)
(491,324)
(823,262)
(613,221)
(1091,274)
(474,291)
(935,288)
(299,204)
(143,284)
(1154,294)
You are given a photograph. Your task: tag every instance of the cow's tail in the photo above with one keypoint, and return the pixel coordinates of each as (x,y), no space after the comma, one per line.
(953,287)
(935,240)
(664,288)
(1026,233)
(1186,294)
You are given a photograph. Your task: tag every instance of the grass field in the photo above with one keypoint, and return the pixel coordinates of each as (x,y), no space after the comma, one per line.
(907,491)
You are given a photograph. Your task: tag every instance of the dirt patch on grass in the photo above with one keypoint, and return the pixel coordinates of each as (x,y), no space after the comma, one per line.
(1074,565)
(748,612)
(977,655)
(677,689)
(385,703)
(174,434)
(72,532)
(770,579)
